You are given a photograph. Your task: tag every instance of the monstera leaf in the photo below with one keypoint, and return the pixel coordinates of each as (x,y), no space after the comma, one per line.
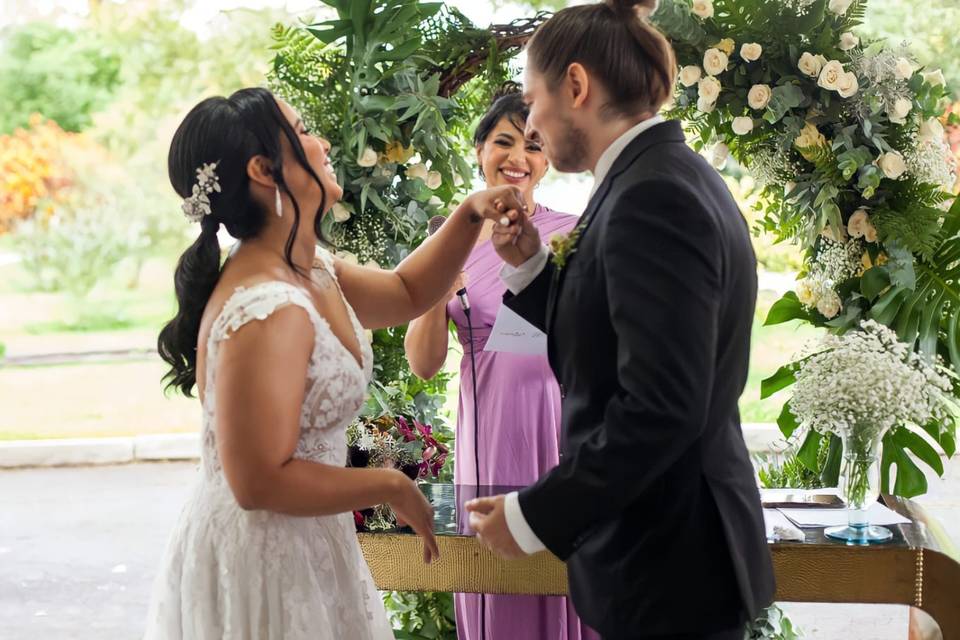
(924,307)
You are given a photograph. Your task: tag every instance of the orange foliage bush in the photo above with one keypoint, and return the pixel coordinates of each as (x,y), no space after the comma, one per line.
(33,169)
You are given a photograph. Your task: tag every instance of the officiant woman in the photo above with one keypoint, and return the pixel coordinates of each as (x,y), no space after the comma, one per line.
(516,401)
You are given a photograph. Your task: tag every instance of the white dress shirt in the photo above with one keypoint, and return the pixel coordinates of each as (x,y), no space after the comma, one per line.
(519,278)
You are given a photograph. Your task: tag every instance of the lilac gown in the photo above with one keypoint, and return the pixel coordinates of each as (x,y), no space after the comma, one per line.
(518,441)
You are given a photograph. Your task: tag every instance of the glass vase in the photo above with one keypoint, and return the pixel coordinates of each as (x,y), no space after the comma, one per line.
(860,488)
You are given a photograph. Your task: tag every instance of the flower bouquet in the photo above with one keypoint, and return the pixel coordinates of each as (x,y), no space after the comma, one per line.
(862,386)
(397,442)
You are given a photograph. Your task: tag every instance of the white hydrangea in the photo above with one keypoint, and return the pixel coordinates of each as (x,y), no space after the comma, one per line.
(866,382)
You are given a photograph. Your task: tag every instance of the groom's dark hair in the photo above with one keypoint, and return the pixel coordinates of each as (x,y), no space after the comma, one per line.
(616,43)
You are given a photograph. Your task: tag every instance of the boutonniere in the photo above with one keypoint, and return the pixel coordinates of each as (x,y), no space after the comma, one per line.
(562,246)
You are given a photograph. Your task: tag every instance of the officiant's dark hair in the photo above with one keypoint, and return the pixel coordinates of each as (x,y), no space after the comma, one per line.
(228,132)
(615,41)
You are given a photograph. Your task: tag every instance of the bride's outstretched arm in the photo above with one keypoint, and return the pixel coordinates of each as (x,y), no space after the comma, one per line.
(384,298)
(259,388)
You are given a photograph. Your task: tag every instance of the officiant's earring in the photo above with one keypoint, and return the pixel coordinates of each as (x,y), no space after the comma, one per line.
(279,204)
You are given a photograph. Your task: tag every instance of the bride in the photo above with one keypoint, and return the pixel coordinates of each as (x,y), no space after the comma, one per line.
(265,547)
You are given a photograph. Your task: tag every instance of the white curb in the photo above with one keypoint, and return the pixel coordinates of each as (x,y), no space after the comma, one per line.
(760,438)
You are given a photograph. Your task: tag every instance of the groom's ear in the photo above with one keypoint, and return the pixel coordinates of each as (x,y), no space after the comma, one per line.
(578,84)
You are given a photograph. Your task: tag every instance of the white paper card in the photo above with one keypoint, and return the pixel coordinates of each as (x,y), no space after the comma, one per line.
(876,514)
(780,528)
(513,334)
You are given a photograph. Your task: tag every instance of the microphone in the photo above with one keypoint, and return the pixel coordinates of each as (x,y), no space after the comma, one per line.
(433,226)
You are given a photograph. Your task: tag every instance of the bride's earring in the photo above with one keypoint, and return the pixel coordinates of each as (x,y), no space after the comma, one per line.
(279,204)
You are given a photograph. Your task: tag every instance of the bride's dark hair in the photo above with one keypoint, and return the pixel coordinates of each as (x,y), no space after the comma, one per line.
(227,131)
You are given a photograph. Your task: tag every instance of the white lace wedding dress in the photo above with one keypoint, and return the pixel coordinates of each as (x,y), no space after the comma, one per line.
(254,575)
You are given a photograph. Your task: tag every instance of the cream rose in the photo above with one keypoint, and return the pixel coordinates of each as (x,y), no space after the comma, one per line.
(715,61)
(759,96)
(934,78)
(806,293)
(809,137)
(706,106)
(708,89)
(849,85)
(690,75)
(742,125)
(848,41)
(751,51)
(829,304)
(892,164)
(341,213)
(727,45)
(859,226)
(418,170)
(434,180)
(931,131)
(719,156)
(368,158)
(830,75)
(901,108)
(839,7)
(903,69)
(703,8)
(809,65)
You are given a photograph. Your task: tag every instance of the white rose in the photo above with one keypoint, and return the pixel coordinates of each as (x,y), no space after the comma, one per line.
(708,89)
(434,180)
(829,304)
(706,106)
(690,75)
(742,125)
(806,293)
(892,165)
(751,51)
(839,7)
(418,170)
(703,8)
(859,226)
(341,213)
(368,158)
(931,131)
(848,41)
(901,108)
(348,257)
(904,69)
(810,65)
(934,78)
(830,75)
(849,85)
(759,96)
(715,61)
(719,156)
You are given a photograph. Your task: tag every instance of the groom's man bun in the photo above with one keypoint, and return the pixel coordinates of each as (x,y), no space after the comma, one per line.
(615,41)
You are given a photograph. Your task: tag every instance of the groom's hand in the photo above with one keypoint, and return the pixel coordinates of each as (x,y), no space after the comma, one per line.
(517,241)
(489,520)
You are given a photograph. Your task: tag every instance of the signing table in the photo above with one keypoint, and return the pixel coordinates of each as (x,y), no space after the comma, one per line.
(919,568)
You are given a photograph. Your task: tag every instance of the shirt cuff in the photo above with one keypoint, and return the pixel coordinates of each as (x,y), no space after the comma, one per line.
(519,529)
(519,278)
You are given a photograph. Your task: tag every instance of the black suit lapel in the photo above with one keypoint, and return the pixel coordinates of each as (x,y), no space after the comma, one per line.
(669,131)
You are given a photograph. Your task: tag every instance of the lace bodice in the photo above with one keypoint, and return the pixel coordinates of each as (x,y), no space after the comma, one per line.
(335,384)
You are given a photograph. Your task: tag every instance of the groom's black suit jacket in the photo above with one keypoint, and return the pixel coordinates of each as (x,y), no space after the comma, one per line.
(654,504)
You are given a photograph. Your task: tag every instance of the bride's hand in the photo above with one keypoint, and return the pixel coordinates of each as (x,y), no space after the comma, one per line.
(494,203)
(413,509)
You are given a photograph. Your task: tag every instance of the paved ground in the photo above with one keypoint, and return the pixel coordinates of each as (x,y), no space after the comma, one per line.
(79,548)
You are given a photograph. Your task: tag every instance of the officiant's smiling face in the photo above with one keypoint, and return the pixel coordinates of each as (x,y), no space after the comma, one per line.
(506,156)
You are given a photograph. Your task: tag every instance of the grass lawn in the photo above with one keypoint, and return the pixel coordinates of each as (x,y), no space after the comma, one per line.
(126,398)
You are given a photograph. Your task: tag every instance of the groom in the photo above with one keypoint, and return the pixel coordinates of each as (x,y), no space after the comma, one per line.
(654,504)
